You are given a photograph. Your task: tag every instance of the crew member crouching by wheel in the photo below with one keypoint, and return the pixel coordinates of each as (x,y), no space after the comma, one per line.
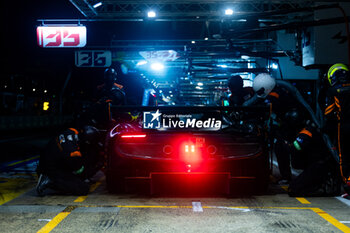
(62,166)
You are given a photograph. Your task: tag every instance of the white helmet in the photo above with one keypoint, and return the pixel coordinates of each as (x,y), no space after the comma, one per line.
(263,84)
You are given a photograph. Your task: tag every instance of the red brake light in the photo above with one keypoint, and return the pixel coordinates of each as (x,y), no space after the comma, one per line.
(133,136)
(189,153)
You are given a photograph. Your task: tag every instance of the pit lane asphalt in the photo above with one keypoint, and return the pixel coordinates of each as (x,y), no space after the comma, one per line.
(21,210)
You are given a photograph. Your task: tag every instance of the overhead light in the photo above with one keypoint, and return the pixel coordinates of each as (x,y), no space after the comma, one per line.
(45,91)
(228,11)
(222,66)
(274,66)
(206,38)
(140,63)
(33,89)
(193,42)
(200,84)
(199,88)
(245,57)
(151,14)
(157,66)
(97,5)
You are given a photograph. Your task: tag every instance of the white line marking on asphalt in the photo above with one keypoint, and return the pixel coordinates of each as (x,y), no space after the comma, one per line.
(44,220)
(345,201)
(230,208)
(197,206)
(344,221)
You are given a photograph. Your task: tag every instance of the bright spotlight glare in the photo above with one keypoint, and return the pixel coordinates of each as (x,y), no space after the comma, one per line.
(157,66)
(222,66)
(228,12)
(97,5)
(274,66)
(200,84)
(151,14)
(140,63)
(193,42)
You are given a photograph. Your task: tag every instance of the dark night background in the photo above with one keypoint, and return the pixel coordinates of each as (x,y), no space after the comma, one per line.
(49,67)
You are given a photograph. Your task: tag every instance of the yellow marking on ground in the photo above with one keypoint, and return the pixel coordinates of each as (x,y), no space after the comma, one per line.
(303,200)
(331,220)
(80,199)
(23,161)
(93,187)
(54,222)
(13,188)
(300,199)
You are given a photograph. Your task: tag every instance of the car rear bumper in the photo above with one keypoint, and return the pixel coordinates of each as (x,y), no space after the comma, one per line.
(189,183)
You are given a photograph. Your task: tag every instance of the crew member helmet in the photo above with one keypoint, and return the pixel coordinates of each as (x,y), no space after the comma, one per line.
(263,84)
(235,83)
(338,74)
(110,76)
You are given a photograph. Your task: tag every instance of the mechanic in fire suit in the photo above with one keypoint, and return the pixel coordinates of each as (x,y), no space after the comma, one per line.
(64,164)
(285,120)
(109,92)
(239,94)
(320,176)
(337,114)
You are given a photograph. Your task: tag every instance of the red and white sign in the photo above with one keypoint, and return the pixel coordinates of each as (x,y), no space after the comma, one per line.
(61,37)
(161,55)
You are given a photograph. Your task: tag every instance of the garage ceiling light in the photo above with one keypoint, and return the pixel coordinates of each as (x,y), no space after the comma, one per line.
(274,66)
(228,11)
(97,5)
(157,66)
(151,14)
(222,66)
(142,62)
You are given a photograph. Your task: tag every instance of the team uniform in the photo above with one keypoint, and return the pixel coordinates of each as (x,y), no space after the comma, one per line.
(61,165)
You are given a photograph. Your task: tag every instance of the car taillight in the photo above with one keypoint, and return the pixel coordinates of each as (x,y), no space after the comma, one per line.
(190,149)
(130,136)
(189,153)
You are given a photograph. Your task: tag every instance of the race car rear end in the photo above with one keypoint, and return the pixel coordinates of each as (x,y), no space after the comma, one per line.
(186,161)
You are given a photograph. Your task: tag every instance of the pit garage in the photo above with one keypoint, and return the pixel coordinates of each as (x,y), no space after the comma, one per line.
(172,148)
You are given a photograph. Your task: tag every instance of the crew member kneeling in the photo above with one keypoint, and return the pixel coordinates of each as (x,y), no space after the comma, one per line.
(62,167)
